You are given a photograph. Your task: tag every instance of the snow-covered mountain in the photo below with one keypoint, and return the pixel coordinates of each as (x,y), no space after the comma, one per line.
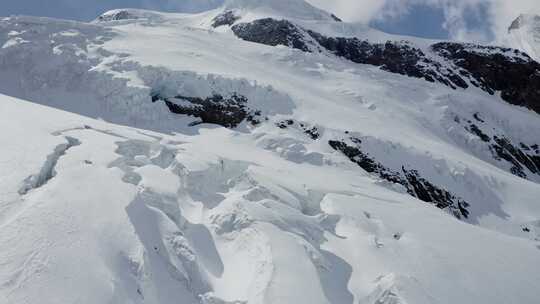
(263,152)
(524,34)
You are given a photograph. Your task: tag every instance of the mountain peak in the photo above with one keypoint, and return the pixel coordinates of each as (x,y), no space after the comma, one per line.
(522,20)
(289,9)
(524,34)
(297,9)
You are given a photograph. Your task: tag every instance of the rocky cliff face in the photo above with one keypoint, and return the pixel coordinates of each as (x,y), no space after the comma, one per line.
(410,179)
(512,73)
(276,32)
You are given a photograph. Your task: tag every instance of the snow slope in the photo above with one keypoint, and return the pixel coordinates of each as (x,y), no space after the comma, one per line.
(122,200)
(177,217)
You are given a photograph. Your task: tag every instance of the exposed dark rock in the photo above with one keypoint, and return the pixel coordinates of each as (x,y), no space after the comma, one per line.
(120,15)
(524,147)
(509,71)
(516,24)
(477,117)
(416,185)
(427,192)
(336,18)
(273,32)
(254,117)
(312,132)
(476,131)
(225,18)
(365,162)
(396,57)
(492,69)
(520,21)
(227,112)
(285,124)
(502,148)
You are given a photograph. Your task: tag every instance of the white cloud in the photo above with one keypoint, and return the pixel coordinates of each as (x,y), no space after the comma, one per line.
(503,12)
(351,10)
(498,14)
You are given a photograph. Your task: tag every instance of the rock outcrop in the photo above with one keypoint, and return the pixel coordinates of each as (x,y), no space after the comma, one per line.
(410,179)
(457,65)
(225,18)
(275,32)
(494,69)
(228,112)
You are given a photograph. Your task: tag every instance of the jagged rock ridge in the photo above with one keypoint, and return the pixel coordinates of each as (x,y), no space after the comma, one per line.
(226,18)
(521,157)
(411,179)
(228,112)
(493,69)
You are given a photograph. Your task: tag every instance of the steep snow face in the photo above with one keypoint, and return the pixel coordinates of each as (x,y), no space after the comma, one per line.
(271,174)
(524,34)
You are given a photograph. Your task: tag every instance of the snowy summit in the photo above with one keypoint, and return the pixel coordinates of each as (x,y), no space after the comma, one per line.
(265,151)
(524,34)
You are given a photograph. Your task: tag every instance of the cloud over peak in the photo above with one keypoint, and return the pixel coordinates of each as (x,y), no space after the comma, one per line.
(476,20)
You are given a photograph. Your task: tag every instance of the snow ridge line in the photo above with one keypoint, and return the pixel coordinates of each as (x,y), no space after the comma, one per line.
(47,171)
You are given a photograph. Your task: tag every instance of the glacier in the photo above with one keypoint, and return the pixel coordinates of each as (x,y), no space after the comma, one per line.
(154,157)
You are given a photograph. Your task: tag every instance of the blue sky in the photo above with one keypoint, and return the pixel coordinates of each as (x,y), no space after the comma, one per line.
(462,19)
(429,21)
(86,10)
(421,20)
